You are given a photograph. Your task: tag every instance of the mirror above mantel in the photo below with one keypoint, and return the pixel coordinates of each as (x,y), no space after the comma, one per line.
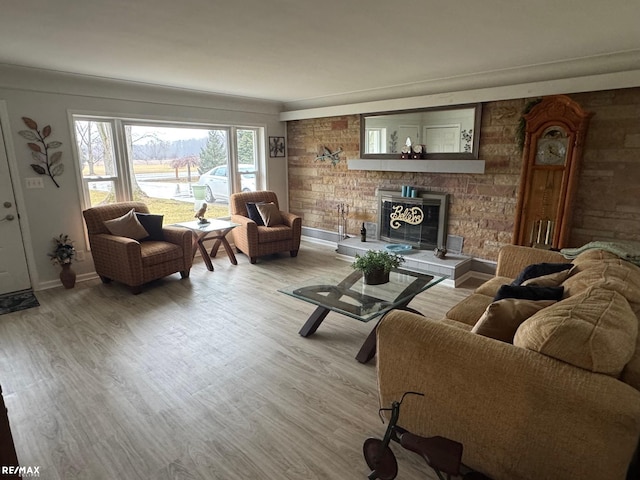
(446,133)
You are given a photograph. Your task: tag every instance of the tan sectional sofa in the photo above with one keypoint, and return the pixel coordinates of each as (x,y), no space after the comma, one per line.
(560,402)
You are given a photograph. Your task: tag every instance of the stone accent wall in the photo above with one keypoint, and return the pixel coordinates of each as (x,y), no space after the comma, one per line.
(482,207)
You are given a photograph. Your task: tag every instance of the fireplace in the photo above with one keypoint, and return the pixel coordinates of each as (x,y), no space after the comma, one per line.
(420,222)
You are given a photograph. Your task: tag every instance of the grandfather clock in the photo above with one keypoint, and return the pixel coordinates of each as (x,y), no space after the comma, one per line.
(554,135)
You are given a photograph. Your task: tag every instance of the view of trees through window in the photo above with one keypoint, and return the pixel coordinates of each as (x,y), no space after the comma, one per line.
(170,168)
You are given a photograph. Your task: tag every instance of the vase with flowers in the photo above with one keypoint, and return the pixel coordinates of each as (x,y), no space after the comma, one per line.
(63,254)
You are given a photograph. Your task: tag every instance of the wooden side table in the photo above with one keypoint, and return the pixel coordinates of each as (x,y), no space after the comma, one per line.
(214,230)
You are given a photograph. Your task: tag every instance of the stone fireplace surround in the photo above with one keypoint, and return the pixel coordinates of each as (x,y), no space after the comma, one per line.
(420,221)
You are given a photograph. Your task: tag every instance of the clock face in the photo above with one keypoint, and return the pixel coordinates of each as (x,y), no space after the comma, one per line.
(552,149)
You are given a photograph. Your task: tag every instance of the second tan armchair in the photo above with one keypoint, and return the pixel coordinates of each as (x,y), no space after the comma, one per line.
(255,240)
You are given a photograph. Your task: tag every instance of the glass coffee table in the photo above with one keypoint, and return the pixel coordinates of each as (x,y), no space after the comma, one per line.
(350,296)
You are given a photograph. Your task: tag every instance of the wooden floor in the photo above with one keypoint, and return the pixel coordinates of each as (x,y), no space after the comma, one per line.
(204,378)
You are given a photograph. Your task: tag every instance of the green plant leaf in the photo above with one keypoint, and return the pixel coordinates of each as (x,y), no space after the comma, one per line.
(28,134)
(34,146)
(57,170)
(46,131)
(30,123)
(38,169)
(54,144)
(55,158)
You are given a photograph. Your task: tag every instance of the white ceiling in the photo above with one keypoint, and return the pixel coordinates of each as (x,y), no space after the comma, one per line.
(307,53)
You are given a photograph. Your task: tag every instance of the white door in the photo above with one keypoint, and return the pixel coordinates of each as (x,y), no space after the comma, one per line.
(442,139)
(14,274)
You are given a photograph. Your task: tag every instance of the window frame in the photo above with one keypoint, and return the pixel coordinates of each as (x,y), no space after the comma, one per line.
(123,178)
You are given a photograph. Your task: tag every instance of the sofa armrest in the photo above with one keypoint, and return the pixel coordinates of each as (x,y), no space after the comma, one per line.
(182,237)
(116,247)
(519,414)
(291,220)
(117,258)
(513,258)
(243,221)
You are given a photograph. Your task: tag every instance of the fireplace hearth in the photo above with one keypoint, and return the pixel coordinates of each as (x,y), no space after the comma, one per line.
(420,222)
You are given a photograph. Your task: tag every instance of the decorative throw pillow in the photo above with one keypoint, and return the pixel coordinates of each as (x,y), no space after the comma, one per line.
(152,224)
(270,214)
(127,226)
(551,280)
(595,330)
(501,319)
(252,212)
(529,293)
(538,270)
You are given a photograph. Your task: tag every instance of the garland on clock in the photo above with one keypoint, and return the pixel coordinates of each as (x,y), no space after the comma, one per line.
(46,162)
(522,124)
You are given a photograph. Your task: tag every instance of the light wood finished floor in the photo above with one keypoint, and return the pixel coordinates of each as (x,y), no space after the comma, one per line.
(205,378)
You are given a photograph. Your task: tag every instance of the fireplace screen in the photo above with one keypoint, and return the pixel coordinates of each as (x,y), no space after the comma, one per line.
(420,222)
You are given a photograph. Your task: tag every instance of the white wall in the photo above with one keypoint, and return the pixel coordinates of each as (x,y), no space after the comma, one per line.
(48,97)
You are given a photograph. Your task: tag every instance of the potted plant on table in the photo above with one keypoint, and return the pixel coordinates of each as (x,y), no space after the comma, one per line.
(375,265)
(63,253)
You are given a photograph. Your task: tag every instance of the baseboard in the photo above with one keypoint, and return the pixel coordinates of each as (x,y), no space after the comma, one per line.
(56,283)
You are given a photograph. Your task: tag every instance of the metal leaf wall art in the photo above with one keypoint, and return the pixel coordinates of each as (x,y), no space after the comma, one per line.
(45,162)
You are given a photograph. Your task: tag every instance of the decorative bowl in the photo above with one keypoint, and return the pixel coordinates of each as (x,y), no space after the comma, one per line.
(398,248)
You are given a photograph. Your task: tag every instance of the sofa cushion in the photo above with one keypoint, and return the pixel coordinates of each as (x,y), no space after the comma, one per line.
(595,330)
(152,224)
(501,319)
(127,225)
(470,309)
(270,214)
(529,292)
(613,274)
(538,270)
(550,280)
(154,253)
(274,234)
(253,214)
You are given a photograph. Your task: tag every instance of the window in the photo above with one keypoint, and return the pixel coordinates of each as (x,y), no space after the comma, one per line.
(374,138)
(170,167)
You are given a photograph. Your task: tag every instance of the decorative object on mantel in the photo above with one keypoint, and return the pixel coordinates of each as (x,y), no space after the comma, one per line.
(45,164)
(276,146)
(324,153)
(63,254)
(343,213)
(202,220)
(467,136)
(393,142)
(440,252)
(375,265)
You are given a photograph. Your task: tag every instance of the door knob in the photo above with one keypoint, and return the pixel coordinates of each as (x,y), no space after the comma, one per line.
(8,217)
(7,204)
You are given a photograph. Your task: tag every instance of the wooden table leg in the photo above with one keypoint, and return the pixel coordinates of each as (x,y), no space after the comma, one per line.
(368,349)
(222,240)
(205,256)
(314,321)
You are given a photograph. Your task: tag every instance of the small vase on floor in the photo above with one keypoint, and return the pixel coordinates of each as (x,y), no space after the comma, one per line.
(67,276)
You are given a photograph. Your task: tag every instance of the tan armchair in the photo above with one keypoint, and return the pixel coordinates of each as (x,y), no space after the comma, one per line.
(256,241)
(129,261)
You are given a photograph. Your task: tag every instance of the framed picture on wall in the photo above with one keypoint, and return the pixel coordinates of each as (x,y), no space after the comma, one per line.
(276,146)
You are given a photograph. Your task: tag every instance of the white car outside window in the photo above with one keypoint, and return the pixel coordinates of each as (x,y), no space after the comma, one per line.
(217,181)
